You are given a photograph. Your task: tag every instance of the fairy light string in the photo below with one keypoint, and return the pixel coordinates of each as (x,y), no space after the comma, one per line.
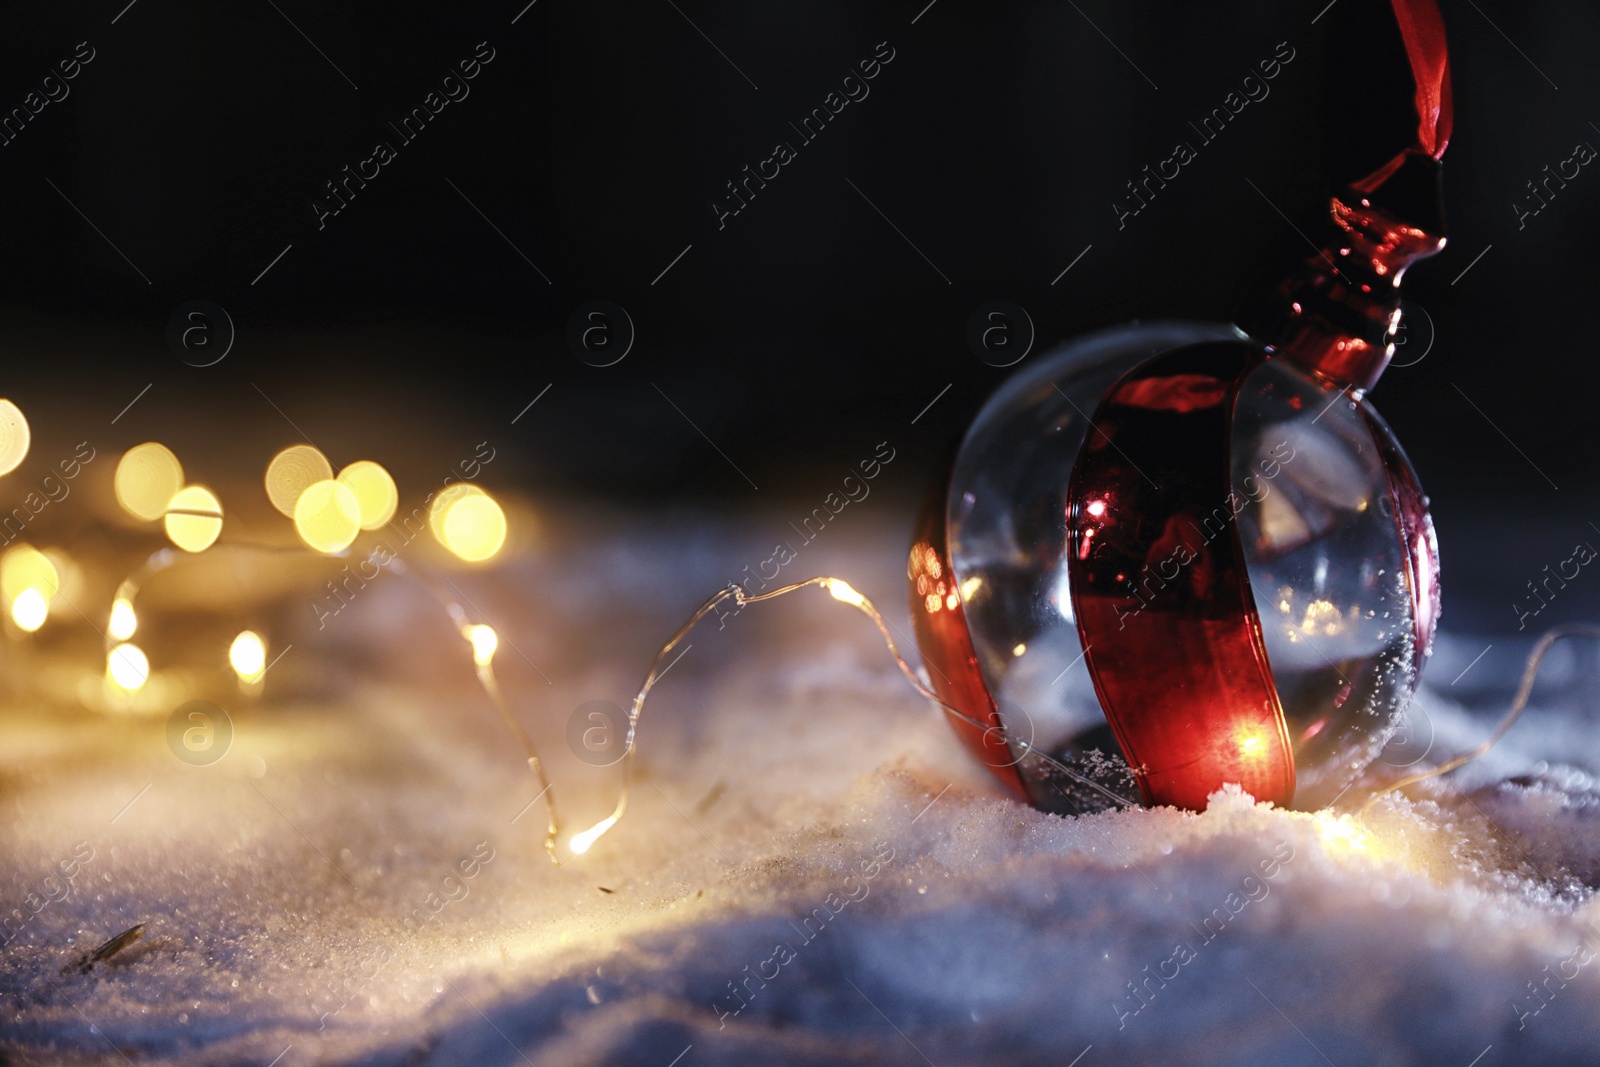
(484,641)
(123,622)
(329,512)
(845,593)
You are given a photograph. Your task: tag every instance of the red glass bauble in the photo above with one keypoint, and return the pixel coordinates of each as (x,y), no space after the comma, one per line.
(1196,548)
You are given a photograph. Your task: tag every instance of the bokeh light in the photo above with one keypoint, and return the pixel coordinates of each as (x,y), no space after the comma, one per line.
(248,655)
(374,489)
(127,667)
(124,622)
(447,498)
(293,471)
(30,609)
(328,516)
(194,518)
(69,579)
(15,437)
(147,477)
(468,522)
(24,567)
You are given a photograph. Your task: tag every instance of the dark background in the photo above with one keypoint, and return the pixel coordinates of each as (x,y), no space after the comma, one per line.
(808,329)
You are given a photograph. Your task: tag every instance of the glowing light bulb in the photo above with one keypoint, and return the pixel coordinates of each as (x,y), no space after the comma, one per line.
(124,623)
(468,522)
(375,492)
(147,477)
(293,471)
(30,609)
(327,516)
(127,667)
(484,642)
(248,655)
(194,518)
(15,437)
(844,591)
(581,843)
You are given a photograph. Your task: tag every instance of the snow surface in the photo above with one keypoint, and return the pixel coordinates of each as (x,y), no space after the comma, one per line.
(804,830)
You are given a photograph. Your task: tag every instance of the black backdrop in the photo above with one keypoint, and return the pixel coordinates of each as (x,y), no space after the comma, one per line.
(826,314)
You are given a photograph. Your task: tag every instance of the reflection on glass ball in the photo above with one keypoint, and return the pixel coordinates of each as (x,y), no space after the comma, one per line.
(1331,569)
(1330,525)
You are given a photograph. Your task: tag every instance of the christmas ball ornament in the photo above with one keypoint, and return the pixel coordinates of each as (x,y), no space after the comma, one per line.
(1200,546)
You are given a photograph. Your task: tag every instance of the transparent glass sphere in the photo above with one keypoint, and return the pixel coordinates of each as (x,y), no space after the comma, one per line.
(1335,535)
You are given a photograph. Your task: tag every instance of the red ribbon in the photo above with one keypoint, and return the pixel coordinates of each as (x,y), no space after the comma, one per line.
(1422,28)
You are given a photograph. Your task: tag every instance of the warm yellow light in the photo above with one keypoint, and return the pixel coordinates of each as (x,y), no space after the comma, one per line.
(1019,650)
(1340,831)
(194,518)
(15,437)
(248,655)
(971,586)
(484,642)
(127,667)
(448,498)
(25,567)
(374,490)
(124,623)
(1321,617)
(468,522)
(581,843)
(30,609)
(844,591)
(327,516)
(147,477)
(1252,742)
(293,471)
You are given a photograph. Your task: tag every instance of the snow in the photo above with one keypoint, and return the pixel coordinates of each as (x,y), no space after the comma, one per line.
(812,871)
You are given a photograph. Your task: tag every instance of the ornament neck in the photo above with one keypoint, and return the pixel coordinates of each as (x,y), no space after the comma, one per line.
(1337,314)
